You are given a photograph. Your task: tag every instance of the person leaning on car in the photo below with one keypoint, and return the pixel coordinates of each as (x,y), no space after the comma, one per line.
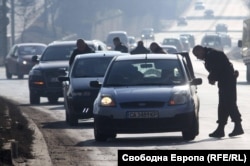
(140,49)
(82,48)
(156,48)
(119,45)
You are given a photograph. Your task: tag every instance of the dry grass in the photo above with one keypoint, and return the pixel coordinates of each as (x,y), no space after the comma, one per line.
(13,125)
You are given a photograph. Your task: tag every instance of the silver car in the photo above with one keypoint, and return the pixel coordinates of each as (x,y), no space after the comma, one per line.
(147,94)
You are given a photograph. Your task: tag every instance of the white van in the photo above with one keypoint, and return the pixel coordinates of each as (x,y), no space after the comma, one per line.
(121,34)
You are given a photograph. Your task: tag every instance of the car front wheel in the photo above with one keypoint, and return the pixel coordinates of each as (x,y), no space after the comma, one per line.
(8,74)
(34,98)
(99,136)
(190,134)
(52,99)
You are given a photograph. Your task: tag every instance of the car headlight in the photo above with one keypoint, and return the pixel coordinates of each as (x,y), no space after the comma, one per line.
(107,101)
(25,62)
(35,73)
(178,99)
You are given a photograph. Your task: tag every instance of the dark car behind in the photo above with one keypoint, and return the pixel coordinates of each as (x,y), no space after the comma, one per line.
(18,60)
(54,62)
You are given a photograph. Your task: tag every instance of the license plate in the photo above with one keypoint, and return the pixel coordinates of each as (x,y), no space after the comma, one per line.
(54,79)
(143,114)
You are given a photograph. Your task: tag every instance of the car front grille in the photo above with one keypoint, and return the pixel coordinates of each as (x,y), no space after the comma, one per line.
(51,77)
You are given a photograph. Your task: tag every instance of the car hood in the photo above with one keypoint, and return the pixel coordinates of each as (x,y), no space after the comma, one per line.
(52,64)
(160,93)
(83,83)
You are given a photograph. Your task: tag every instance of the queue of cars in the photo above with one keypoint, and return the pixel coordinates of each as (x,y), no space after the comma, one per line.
(143,93)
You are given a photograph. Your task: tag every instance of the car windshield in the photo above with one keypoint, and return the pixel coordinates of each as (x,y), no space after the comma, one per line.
(90,67)
(58,53)
(145,72)
(31,50)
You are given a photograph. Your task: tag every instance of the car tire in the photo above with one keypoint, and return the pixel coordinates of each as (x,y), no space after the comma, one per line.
(8,74)
(34,98)
(99,136)
(52,99)
(72,119)
(190,134)
(20,76)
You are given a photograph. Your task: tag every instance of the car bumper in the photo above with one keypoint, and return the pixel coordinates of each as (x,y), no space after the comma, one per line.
(180,122)
(48,92)
(81,107)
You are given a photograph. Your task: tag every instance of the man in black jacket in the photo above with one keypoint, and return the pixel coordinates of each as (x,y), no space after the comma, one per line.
(82,48)
(119,45)
(140,49)
(222,71)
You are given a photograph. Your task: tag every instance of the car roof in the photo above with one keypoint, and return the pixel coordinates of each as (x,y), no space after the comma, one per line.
(101,54)
(69,42)
(31,44)
(146,56)
(111,32)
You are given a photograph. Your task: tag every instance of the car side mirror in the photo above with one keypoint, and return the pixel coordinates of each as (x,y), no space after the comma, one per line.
(95,84)
(63,78)
(34,58)
(196,81)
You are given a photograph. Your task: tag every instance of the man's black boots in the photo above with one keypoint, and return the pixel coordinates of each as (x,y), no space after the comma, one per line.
(238,130)
(219,132)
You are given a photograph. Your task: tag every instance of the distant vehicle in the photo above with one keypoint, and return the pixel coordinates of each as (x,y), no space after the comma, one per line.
(191,39)
(121,34)
(199,5)
(148,33)
(19,59)
(225,39)
(209,13)
(212,41)
(221,28)
(182,21)
(244,44)
(78,95)
(185,43)
(147,93)
(54,62)
(132,42)
(169,49)
(173,41)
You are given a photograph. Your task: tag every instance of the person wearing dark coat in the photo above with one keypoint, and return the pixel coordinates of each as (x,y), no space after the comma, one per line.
(221,70)
(82,48)
(140,49)
(119,45)
(156,48)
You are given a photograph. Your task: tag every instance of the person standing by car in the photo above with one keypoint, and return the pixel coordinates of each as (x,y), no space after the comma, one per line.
(140,49)
(119,46)
(222,71)
(155,48)
(82,48)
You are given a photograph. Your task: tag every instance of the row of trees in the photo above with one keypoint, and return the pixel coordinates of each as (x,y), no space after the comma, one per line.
(64,17)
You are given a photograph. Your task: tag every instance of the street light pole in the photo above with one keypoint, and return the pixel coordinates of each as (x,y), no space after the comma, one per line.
(12,15)
(3,30)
